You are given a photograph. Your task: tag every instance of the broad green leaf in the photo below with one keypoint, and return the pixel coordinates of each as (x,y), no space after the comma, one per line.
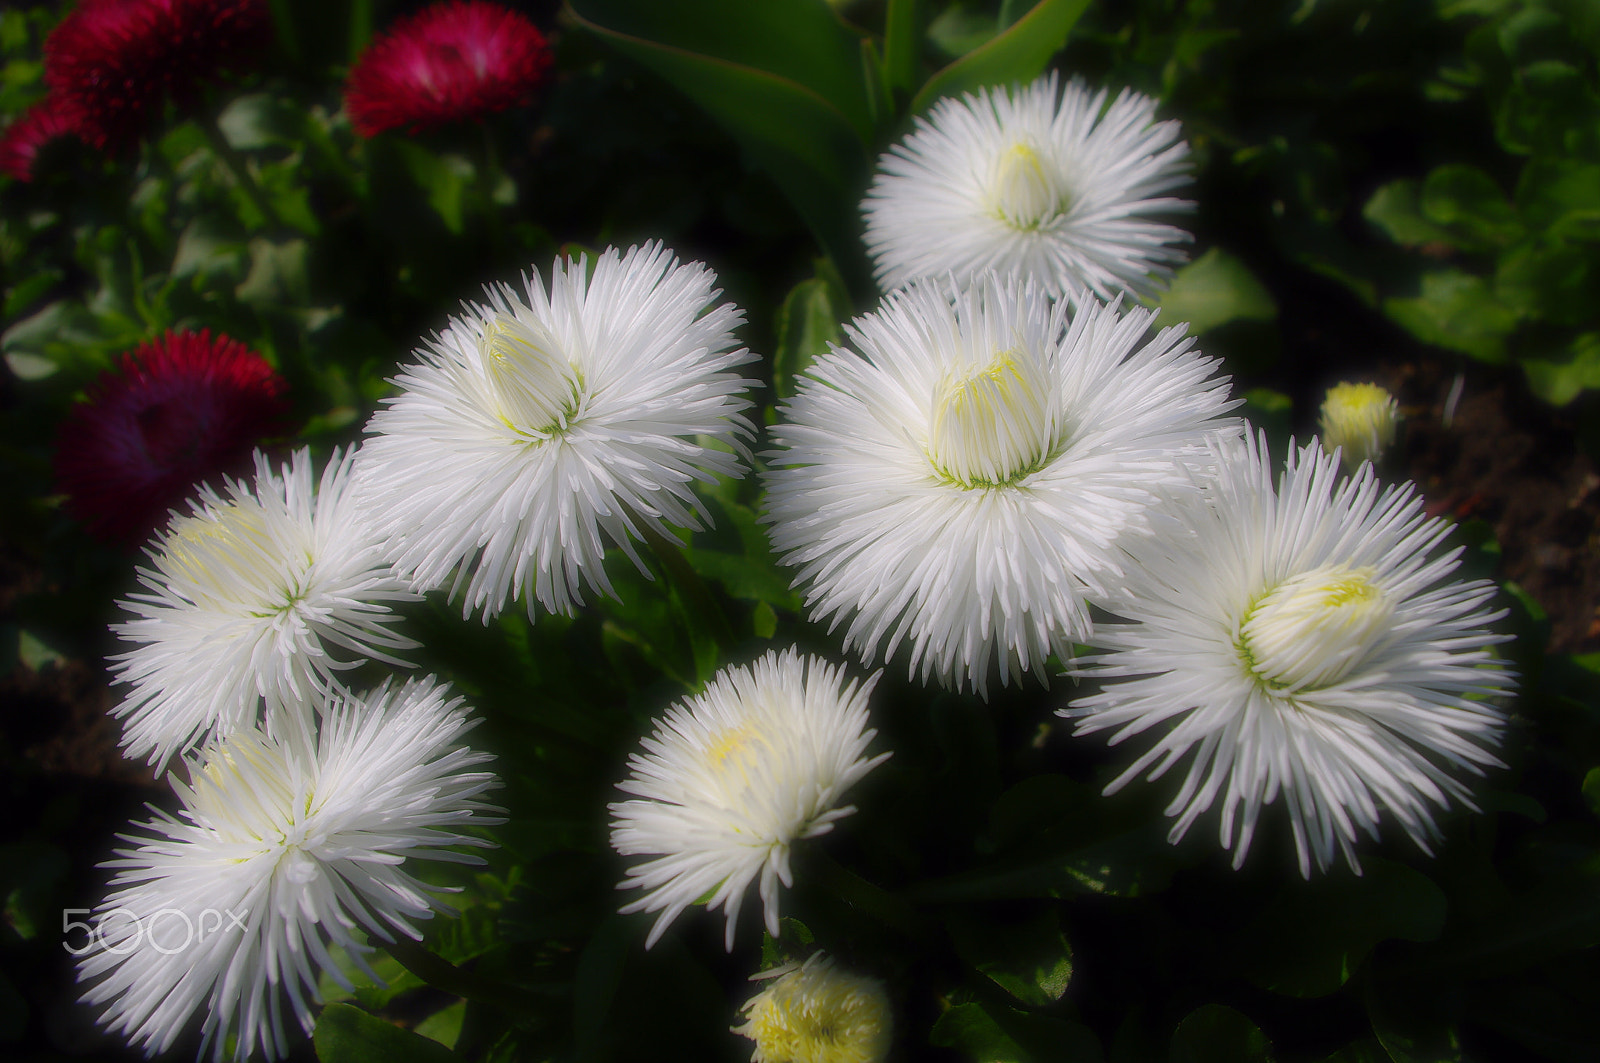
(445,179)
(444,1025)
(1561,196)
(1055,837)
(1456,310)
(799,41)
(1000,1035)
(260,120)
(1213,290)
(1468,201)
(1309,940)
(1550,110)
(1396,209)
(346,1034)
(1029,958)
(1591,790)
(961,27)
(810,148)
(277,274)
(1014,57)
(809,319)
(1215,1033)
(211,251)
(1558,383)
(902,47)
(1547,281)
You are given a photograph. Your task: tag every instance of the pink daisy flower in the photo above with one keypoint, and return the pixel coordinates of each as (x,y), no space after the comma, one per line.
(182,408)
(450,62)
(49,119)
(118,60)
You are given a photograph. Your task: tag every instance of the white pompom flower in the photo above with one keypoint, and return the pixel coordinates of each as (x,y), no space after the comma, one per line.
(733,777)
(263,591)
(1050,182)
(816,1013)
(963,477)
(287,843)
(533,433)
(1302,641)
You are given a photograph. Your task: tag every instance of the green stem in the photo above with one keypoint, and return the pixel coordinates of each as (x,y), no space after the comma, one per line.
(447,977)
(488,176)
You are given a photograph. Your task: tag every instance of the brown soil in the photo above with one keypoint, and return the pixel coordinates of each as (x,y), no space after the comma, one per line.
(1509,460)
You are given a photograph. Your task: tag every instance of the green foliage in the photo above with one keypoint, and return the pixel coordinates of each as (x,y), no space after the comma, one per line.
(1429,171)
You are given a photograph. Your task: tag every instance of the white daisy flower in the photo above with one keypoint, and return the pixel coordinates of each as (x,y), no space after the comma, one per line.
(262,592)
(532,434)
(1053,183)
(963,478)
(733,777)
(287,843)
(1302,641)
(815,1013)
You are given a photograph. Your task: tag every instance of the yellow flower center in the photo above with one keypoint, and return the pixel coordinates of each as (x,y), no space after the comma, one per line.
(993,427)
(227,555)
(1313,629)
(540,390)
(1026,191)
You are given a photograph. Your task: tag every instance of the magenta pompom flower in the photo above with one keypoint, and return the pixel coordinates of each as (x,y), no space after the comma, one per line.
(20,143)
(180,409)
(118,60)
(450,62)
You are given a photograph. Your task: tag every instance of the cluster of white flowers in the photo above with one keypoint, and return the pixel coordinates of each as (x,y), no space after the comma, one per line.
(1000,456)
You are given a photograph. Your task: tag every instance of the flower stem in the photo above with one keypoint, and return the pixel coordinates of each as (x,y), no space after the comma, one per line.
(445,976)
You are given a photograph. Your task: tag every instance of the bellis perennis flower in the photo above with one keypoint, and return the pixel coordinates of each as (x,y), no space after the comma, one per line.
(450,62)
(819,1014)
(180,409)
(116,62)
(1053,183)
(21,142)
(288,842)
(1302,642)
(262,593)
(534,432)
(1359,419)
(733,777)
(962,479)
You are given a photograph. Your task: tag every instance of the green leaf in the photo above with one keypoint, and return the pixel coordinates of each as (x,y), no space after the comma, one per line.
(1005,1036)
(1551,282)
(1054,837)
(811,144)
(260,120)
(1014,57)
(1215,1033)
(1396,209)
(277,274)
(211,251)
(902,45)
(807,322)
(1456,310)
(1591,790)
(444,1025)
(1029,958)
(798,41)
(445,179)
(1561,196)
(1558,383)
(1311,938)
(1468,201)
(1213,290)
(346,1034)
